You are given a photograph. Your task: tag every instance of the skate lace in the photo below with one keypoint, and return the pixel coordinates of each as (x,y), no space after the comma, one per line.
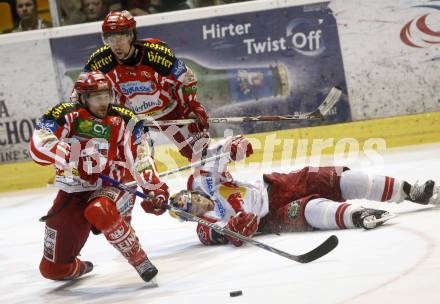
(417,191)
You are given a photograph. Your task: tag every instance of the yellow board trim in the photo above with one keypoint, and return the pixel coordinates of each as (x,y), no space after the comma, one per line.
(396,131)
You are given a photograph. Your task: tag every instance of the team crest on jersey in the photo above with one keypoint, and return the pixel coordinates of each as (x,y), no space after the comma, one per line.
(293,210)
(133,87)
(130,73)
(146,74)
(115,121)
(91,129)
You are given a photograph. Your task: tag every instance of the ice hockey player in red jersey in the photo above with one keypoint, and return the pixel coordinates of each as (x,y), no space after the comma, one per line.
(303,200)
(82,140)
(147,78)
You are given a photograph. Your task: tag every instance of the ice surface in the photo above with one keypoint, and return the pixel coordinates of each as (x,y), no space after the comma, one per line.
(397,263)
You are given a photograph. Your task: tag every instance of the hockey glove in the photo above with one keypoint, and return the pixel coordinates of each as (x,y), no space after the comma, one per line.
(239,147)
(202,117)
(243,223)
(157,200)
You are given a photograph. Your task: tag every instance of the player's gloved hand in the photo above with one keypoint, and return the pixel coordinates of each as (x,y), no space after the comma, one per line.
(243,223)
(201,116)
(157,201)
(196,110)
(240,148)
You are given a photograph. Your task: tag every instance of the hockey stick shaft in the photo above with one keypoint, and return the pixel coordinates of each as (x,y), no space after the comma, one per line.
(192,165)
(324,248)
(328,103)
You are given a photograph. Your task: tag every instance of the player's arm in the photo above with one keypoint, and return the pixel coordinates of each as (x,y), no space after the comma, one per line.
(142,166)
(235,148)
(187,94)
(46,145)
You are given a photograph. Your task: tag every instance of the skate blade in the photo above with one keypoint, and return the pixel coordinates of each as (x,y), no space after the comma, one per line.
(384,218)
(151,284)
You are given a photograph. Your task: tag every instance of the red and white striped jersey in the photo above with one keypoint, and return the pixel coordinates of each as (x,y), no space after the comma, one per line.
(116,142)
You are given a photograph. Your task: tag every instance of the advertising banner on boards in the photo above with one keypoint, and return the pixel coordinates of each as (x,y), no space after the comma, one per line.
(274,62)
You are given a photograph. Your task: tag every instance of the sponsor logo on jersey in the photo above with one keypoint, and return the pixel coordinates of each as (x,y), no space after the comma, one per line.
(125,112)
(293,210)
(91,129)
(133,87)
(97,64)
(159,47)
(146,105)
(218,203)
(47,124)
(159,58)
(56,111)
(178,68)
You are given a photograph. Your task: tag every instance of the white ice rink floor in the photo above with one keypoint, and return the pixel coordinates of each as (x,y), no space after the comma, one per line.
(397,263)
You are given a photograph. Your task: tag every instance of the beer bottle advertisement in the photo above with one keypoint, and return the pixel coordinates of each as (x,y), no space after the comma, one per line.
(275,62)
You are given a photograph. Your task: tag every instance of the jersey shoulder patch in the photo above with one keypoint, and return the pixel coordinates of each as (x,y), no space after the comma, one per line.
(58,112)
(158,55)
(123,112)
(102,59)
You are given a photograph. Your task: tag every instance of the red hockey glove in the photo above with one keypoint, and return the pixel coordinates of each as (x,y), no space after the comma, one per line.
(201,116)
(196,110)
(240,148)
(243,223)
(157,201)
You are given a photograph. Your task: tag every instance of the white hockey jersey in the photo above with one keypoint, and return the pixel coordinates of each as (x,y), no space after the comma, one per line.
(230,196)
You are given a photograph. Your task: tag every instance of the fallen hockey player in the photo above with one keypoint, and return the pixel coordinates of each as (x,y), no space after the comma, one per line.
(303,200)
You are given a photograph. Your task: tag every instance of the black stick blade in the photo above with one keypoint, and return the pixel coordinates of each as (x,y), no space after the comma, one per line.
(319,251)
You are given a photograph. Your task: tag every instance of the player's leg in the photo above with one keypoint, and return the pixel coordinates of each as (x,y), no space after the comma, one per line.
(358,185)
(65,235)
(325,214)
(289,216)
(102,213)
(313,212)
(124,200)
(287,187)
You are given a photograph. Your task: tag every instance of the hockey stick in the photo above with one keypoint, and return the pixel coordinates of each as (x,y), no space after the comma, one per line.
(324,248)
(328,103)
(192,165)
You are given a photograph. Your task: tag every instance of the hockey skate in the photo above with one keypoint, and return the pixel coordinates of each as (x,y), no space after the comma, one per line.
(368,218)
(146,270)
(85,268)
(424,194)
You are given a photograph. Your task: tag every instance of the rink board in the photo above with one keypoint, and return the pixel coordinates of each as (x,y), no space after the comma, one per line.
(396,131)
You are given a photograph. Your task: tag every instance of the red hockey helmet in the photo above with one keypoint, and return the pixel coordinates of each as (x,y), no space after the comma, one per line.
(90,82)
(118,22)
